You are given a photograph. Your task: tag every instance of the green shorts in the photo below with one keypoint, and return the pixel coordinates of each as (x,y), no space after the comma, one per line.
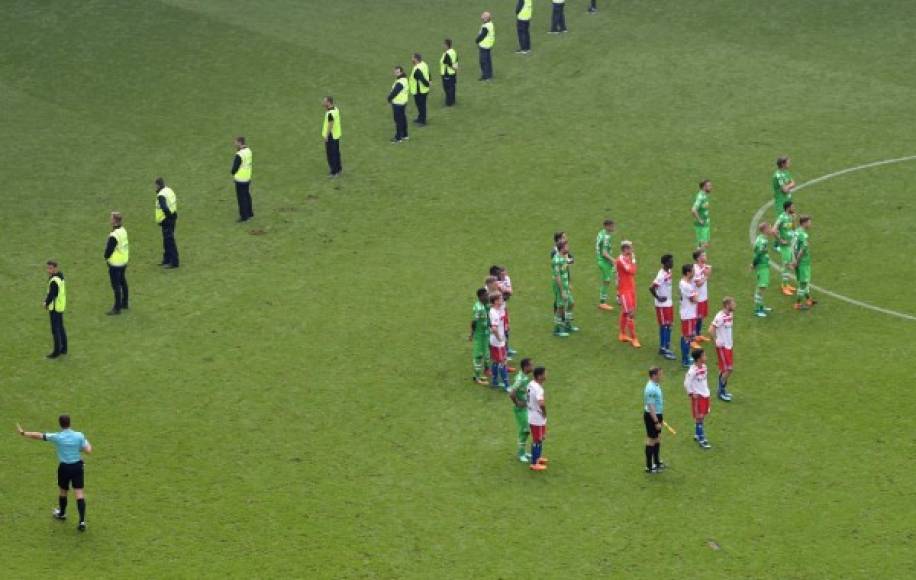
(785,254)
(763,275)
(702,234)
(521,420)
(803,273)
(607,270)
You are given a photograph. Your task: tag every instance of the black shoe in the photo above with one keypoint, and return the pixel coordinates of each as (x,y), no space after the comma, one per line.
(241,220)
(81,527)
(113,312)
(395,140)
(660,465)
(169,266)
(58,515)
(651,470)
(52,355)
(162,263)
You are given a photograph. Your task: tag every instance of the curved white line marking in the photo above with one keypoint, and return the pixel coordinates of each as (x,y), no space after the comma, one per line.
(752,232)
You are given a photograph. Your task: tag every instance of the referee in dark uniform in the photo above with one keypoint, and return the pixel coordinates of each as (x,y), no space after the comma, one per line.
(70,447)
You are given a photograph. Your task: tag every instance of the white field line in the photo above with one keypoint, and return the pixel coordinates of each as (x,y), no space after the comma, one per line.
(752,232)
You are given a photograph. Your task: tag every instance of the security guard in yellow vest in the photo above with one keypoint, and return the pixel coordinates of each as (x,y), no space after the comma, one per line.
(486,38)
(55,303)
(448,70)
(241,175)
(117,254)
(398,98)
(331,132)
(523,10)
(167,218)
(419,86)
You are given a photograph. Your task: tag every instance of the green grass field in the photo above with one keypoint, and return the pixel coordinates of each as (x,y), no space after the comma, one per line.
(298,403)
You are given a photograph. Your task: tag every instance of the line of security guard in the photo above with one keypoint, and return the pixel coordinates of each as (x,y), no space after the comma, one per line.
(167,218)
(117,254)
(55,303)
(419,86)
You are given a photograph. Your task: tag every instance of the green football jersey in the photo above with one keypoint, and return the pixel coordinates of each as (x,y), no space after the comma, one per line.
(520,386)
(559,266)
(761,251)
(603,245)
(785,229)
(701,206)
(481,317)
(781,178)
(802,249)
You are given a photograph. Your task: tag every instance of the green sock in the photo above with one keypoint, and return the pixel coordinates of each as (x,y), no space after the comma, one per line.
(602,294)
(758,300)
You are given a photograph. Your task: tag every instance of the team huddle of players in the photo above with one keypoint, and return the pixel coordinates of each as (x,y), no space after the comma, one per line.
(490,318)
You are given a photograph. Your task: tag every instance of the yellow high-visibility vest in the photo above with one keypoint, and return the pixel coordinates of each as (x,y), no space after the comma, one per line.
(402,97)
(171,202)
(244,172)
(335,128)
(121,253)
(448,70)
(525,12)
(416,86)
(59,304)
(490,38)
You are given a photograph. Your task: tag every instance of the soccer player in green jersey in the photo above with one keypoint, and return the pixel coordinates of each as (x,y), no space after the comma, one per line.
(480,336)
(785,236)
(518,394)
(802,264)
(562,295)
(761,267)
(700,211)
(605,262)
(783,184)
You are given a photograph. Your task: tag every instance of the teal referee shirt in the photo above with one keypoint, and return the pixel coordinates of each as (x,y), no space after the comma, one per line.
(69,444)
(653,396)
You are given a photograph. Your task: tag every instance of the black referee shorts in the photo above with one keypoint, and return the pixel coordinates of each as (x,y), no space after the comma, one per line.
(651,431)
(70,473)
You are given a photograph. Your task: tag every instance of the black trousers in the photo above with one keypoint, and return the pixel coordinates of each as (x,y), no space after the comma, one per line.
(420,100)
(243,196)
(169,247)
(118,277)
(58,333)
(486,63)
(558,18)
(593,5)
(524,34)
(400,121)
(332,149)
(448,87)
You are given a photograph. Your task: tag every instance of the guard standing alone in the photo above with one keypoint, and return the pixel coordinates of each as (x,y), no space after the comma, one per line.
(167,218)
(56,302)
(330,133)
(448,70)
(486,38)
(419,86)
(398,98)
(241,174)
(117,255)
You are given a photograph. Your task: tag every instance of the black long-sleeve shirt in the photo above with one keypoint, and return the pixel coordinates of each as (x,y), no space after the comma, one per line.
(395,90)
(53,289)
(418,76)
(236,163)
(481,35)
(518,6)
(110,246)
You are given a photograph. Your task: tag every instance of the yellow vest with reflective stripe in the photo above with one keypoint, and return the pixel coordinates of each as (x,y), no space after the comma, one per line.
(335,128)
(402,97)
(448,70)
(121,252)
(525,12)
(244,172)
(171,202)
(490,38)
(59,304)
(415,86)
